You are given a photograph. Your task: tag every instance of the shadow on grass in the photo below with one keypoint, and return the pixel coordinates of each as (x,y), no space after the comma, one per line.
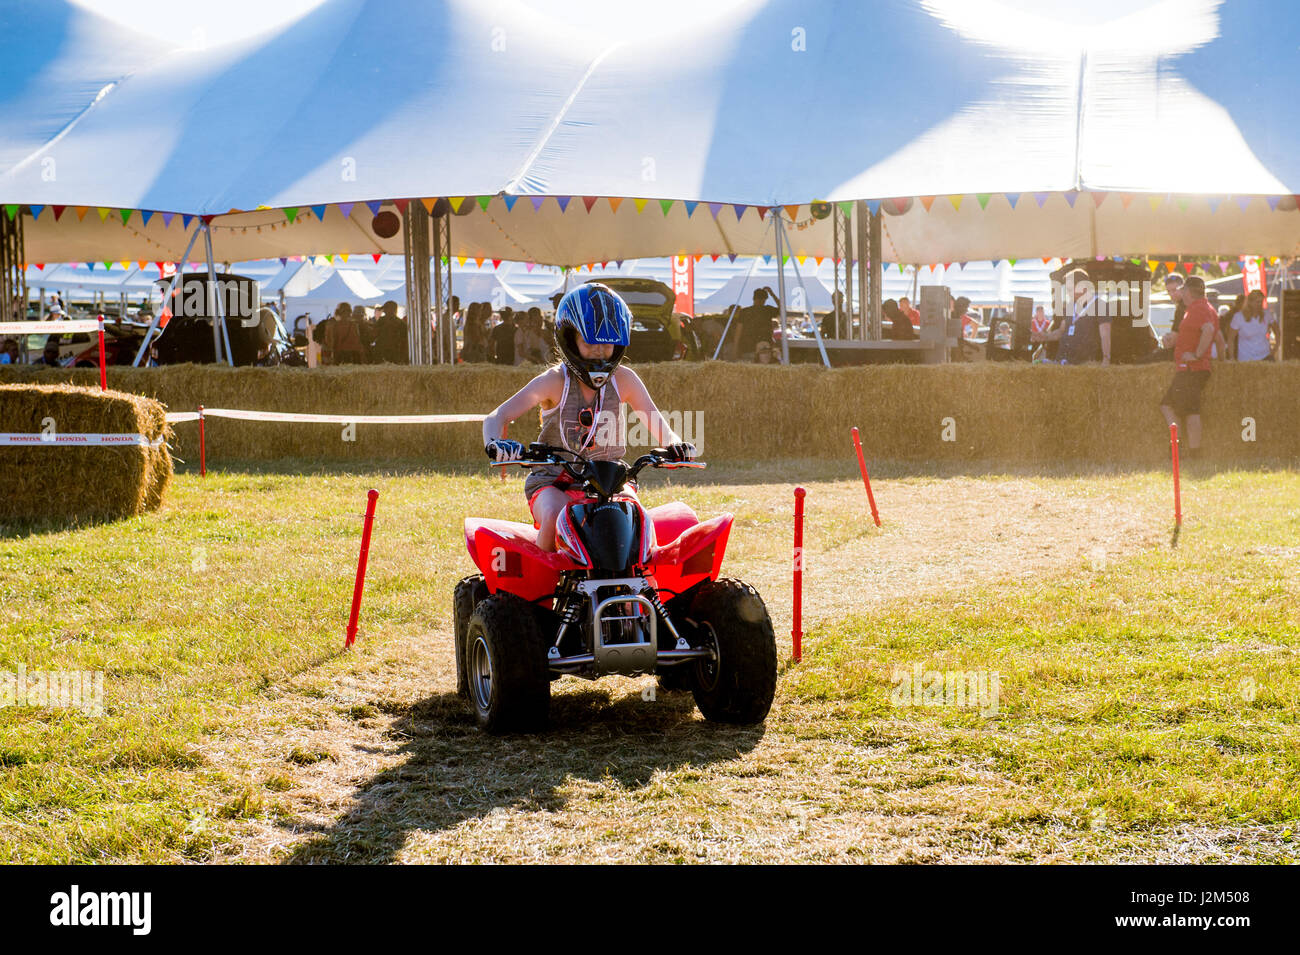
(453,772)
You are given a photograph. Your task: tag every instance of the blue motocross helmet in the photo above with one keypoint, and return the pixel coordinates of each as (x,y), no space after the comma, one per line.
(597,314)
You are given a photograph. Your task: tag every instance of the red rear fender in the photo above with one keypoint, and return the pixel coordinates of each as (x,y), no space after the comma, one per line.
(695,555)
(509,559)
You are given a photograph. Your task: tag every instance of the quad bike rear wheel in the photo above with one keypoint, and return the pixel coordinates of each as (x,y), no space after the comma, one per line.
(506,668)
(467,595)
(737,686)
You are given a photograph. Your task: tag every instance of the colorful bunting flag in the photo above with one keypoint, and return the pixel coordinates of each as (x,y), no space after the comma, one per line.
(1012,198)
(81,212)
(483,202)
(529,266)
(1041,197)
(1183,202)
(35,211)
(588,201)
(376,256)
(58,211)
(956,202)
(1125,198)
(103,213)
(401,205)
(715,208)
(1099,198)
(665,205)
(496,263)
(873,206)
(762,212)
(11,211)
(927,202)
(846,207)
(983,199)
(690,208)
(537,202)
(167,218)
(1214,202)
(739,210)
(1155,202)
(640,205)
(792,211)
(510,202)
(374,207)
(1243,202)
(291,214)
(1272,203)
(1071,195)
(615,202)
(428,202)
(319,212)
(563,202)
(145,216)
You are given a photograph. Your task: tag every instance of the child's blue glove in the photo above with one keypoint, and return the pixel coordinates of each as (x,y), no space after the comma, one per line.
(503,450)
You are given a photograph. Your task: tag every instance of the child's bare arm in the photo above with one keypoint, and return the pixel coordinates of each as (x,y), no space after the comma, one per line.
(540,391)
(633,391)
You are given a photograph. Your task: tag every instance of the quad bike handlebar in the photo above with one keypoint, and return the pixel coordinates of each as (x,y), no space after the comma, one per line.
(578,466)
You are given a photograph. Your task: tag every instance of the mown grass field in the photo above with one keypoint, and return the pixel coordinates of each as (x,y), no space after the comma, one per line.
(1147,710)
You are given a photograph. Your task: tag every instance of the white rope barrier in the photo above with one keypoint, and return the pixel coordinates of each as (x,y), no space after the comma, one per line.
(49,328)
(286,416)
(76,440)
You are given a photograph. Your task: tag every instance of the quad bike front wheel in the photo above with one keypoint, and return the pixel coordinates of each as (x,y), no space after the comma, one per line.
(467,595)
(738,685)
(505,664)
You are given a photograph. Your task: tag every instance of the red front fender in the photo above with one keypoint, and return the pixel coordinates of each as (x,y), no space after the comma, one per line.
(694,556)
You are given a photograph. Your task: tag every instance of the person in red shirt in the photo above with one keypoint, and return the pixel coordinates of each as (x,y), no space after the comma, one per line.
(1192,345)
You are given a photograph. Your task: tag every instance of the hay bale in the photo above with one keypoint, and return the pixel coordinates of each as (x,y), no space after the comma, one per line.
(1003,414)
(63,483)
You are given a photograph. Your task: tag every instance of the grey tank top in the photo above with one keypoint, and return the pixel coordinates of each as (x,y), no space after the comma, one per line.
(563,426)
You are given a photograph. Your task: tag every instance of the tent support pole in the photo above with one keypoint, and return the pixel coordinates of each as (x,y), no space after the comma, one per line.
(817,332)
(780,290)
(219,333)
(877,276)
(167,297)
(863,215)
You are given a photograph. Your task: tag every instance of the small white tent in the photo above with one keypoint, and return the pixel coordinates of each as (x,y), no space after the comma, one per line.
(345,285)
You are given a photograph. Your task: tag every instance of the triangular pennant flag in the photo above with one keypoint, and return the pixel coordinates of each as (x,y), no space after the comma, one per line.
(1155,202)
(697,257)
(1243,202)
(956,201)
(374,207)
(344,255)
(715,208)
(11,210)
(125,265)
(690,208)
(1041,197)
(167,218)
(186,219)
(283,261)
(818,259)
(108,266)
(103,213)
(927,202)
(208,218)
(767,260)
(58,211)
(537,202)
(461,260)
(739,210)
(510,201)
(1125,198)
(665,205)
(91,266)
(291,214)
(1171,266)
(801,259)
(1223,265)
(902,267)
(479,261)
(731,257)
(615,202)
(496,263)
(529,266)
(1272,203)
(126,215)
(401,205)
(36,211)
(483,202)
(983,199)
(564,202)
(1071,195)
(1214,202)
(792,211)
(376,256)
(996,263)
(1013,262)
(1188,266)
(1047,259)
(873,206)
(81,212)
(1099,198)
(428,203)
(330,258)
(588,201)
(40,266)
(1183,202)
(1012,198)
(640,205)
(712,258)
(785,260)
(456,202)
(762,212)
(145,216)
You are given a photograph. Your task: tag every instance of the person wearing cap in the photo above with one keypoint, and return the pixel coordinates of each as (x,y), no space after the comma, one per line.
(1192,349)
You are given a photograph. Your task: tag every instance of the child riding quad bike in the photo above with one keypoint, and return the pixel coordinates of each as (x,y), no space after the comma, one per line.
(629,591)
(597,584)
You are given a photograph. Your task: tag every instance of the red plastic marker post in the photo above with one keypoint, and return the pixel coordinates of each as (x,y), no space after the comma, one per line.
(103,370)
(862,464)
(203,450)
(1178,498)
(797,631)
(372,496)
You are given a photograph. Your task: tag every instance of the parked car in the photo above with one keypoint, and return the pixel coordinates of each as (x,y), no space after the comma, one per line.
(658,332)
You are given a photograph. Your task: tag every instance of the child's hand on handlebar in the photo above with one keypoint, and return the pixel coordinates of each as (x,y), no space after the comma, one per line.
(683,451)
(504,450)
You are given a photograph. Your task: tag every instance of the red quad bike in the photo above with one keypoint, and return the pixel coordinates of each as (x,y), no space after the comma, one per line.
(629,591)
